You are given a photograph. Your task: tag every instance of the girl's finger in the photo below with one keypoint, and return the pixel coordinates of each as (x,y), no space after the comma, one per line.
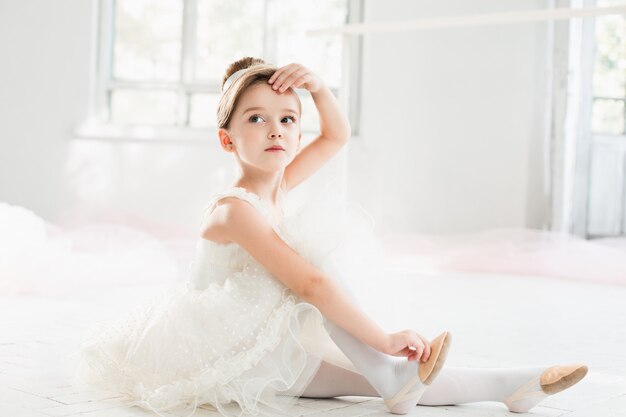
(297,74)
(299,81)
(303,79)
(286,71)
(280,80)
(419,352)
(290,79)
(409,351)
(278,72)
(418,343)
(293,71)
(426,347)
(274,75)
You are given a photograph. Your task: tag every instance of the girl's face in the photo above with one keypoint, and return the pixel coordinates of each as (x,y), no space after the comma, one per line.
(264,118)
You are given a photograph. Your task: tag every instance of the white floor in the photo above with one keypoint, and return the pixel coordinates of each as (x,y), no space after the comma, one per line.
(495,320)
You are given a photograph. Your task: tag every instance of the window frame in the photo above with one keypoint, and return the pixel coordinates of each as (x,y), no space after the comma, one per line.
(591,54)
(586,138)
(98,124)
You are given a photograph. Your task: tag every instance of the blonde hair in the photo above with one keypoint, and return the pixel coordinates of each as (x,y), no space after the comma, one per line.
(258,71)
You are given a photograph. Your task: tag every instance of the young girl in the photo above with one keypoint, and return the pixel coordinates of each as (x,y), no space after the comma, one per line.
(266,316)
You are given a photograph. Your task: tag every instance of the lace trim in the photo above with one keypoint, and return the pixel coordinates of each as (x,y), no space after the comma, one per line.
(235,192)
(254,200)
(268,206)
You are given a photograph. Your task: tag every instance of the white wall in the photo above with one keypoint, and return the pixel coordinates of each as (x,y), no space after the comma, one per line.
(451,122)
(44,49)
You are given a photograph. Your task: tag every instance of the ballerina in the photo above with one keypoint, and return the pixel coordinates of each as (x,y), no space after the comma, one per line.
(263,318)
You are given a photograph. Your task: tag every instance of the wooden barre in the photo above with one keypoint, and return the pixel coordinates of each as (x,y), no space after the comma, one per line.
(468,21)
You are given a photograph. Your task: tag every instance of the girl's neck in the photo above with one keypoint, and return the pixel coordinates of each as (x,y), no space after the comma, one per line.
(268,191)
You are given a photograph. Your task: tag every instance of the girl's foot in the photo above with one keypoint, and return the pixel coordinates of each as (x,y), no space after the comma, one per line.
(407,398)
(552,380)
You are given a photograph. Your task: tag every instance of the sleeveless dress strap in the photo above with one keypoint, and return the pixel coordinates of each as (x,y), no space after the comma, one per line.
(242,194)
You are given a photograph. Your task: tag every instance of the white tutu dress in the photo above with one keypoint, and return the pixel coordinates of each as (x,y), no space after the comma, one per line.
(233,337)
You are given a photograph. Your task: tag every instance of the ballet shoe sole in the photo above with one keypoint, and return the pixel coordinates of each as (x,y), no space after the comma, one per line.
(439,347)
(565,381)
(552,380)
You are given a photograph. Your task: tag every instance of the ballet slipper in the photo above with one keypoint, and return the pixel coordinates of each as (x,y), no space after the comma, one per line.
(557,378)
(552,380)
(405,401)
(439,347)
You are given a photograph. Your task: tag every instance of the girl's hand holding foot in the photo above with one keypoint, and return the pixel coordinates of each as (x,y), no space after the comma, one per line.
(408,343)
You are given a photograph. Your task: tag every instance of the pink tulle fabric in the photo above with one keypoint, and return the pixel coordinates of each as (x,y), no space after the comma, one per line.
(39,257)
(511,251)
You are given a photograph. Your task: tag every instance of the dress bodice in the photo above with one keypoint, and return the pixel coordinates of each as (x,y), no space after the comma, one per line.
(213,261)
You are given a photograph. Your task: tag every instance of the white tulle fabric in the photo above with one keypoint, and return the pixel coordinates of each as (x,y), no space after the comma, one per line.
(233,337)
(41,258)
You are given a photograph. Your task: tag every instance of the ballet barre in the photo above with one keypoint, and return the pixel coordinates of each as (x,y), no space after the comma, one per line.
(469,20)
(444,22)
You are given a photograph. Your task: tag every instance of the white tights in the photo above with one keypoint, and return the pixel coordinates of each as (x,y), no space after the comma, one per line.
(383,375)
(453,385)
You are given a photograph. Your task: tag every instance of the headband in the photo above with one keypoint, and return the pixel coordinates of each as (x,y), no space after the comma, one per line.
(233,77)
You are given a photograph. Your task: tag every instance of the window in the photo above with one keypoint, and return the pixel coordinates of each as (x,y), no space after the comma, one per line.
(160,62)
(598,166)
(609,76)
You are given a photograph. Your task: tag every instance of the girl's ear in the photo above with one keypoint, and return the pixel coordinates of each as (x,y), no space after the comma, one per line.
(225,139)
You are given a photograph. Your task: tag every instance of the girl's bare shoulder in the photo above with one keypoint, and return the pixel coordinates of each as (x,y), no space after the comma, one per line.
(216,223)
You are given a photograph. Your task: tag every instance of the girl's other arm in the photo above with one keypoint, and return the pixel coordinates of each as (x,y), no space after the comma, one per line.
(334,125)
(243,224)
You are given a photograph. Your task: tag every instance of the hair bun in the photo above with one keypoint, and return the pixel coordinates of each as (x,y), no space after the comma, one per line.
(242,63)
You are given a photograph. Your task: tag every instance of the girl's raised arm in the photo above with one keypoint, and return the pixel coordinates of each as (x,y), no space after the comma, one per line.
(334,125)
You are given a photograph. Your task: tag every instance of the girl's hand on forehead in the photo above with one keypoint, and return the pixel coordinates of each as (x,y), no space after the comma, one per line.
(294,75)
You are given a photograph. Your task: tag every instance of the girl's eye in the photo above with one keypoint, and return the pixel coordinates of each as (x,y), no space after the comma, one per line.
(293,119)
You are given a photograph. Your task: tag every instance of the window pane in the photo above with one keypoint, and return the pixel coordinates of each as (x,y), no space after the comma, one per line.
(147,39)
(608,116)
(227,31)
(309,119)
(290,19)
(609,78)
(143,107)
(203,110)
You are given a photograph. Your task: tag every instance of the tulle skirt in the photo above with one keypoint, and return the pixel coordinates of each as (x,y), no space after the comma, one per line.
(222,349)
(162,361)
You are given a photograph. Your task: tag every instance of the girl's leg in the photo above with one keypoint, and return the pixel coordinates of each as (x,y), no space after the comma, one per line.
(456,385)
(335,381)
(387,374)
(453,385)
